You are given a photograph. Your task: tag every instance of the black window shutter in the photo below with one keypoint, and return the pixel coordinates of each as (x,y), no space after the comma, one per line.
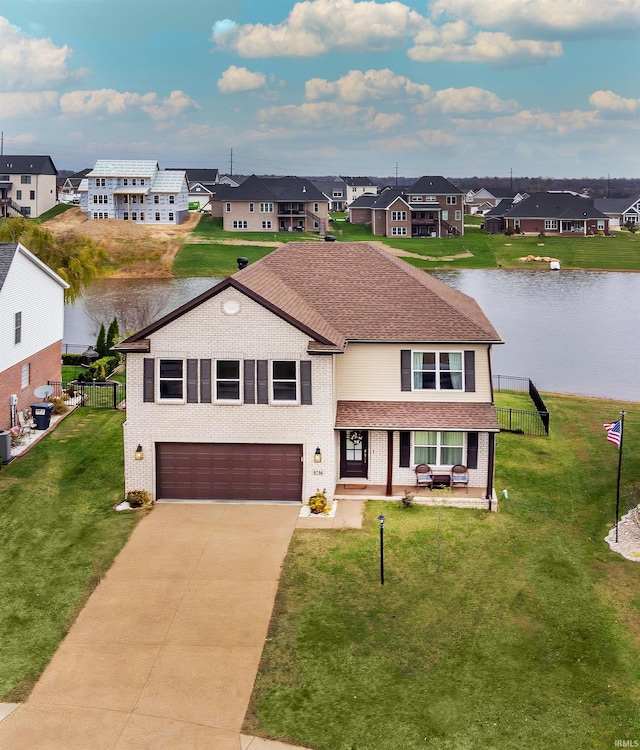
(305,382)
(405,449)
(249,381)
(405,369)
(470,371)
(192,381)
(205,381)
(263,381)
(148,386)
(472,450)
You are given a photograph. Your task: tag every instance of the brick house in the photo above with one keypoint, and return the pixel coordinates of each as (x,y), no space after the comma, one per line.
(551,213)
(430,207)
(27,185)
(31,327)
(272,204)
(321,366)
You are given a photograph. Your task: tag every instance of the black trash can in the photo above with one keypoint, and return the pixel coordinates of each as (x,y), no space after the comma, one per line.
(5,446)
(42,415)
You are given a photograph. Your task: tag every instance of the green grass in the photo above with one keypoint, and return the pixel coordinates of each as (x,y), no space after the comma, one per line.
(211,228)
(58,536)
(515,630)
(56,210)
(214,259)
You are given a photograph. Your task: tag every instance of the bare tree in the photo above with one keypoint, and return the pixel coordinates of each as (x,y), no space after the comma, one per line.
(132,308)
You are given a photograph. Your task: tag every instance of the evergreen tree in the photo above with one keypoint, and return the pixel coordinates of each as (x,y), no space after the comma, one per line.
(101,343)
(112,335)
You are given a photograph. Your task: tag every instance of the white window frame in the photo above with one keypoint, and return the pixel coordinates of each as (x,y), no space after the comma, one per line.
(17,328)
(25,179)
(439,370)
(316,207)
(172,199)
(170,215)
(240,224)
(25,375)
(266,208)
(267,224)
(273,380)
(433,439)
(600,225)
(251,208)
(337,194)
(181,379)
(399,231)
(452,200)
(398,216)
(156,199)
(550,223)
(217,379)
(445,215)
(227,207)
(458,215)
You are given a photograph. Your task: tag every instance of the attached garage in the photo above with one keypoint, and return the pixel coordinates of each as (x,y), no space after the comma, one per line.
(228,471)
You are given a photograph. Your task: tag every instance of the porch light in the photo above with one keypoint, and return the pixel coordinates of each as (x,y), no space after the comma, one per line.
(139,454)
(317,456)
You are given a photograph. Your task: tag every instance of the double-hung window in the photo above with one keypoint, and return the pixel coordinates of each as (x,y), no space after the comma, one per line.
(284,381)
(398,216)
(440,371)
(171,380)
(550,223)
(452,200)
(17,329)
(266,208)
(228,380)
(438,448)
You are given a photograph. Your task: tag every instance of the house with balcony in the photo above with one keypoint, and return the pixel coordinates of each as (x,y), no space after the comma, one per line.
(430,207)
(321,366)
(137,191)
(272,204)
(27,185)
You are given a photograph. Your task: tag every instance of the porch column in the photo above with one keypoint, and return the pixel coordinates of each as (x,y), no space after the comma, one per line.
(389,490)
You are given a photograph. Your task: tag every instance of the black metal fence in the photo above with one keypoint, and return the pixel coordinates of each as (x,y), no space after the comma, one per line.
(103,395)
(524,421)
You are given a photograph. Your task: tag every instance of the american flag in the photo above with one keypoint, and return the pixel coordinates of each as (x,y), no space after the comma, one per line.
(614,432)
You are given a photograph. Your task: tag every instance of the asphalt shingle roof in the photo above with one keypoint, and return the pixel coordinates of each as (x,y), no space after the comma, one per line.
(554,206)
(416,415)
(7,251)
(19,164)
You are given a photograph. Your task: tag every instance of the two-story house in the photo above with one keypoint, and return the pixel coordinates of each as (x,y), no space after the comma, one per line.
(430,207)
(137,191)
(272,204)
(27,185)
(31,327)
(357,186)
(321,366)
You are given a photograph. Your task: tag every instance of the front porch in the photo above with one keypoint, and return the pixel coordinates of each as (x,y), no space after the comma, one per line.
(456,497)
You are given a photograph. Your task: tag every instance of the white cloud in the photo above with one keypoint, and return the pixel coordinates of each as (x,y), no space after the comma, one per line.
(112,102)
(468,99)
(236,79)
(607,100)
(494,48)
(384,122)
(561,123)
(323,115)
(357,86)
(318,26)
(28,103)
(557,17)
(29,63)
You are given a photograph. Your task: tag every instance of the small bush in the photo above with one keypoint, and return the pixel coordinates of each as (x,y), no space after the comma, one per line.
(407,500)
(59,406)
(508,232)
(103,367)
(318,503)
(541,234)
(139,499)
(72,359)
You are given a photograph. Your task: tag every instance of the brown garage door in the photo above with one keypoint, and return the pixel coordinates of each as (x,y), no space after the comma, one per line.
(236,471)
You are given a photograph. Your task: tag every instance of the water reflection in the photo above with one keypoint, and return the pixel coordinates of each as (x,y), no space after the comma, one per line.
(569,331)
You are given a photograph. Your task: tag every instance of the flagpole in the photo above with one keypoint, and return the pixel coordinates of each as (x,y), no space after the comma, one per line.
(622,413)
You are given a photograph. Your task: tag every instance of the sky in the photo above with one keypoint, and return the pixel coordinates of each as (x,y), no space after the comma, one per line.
(326,87)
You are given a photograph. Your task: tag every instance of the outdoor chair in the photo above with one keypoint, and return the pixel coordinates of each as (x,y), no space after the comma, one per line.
(424,476)
(460,477)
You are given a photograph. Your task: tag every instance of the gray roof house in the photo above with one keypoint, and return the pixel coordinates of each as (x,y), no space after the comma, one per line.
(554,213)
(27,185)
(620,211)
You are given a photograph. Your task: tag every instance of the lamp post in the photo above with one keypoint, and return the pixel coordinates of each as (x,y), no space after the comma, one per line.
(381,519)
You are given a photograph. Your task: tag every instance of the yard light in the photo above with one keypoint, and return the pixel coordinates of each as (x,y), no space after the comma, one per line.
(381,519)
(317,456)
(139,454)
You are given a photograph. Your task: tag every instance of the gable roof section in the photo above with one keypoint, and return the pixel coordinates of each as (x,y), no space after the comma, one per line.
(435,185)
(168,181)
(17,164)
(8,251)
(124,168)
(616,205)
(256,188)
(555,206)
(352,292)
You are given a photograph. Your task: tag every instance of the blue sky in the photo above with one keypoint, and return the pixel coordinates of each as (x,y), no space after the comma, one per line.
(451,87)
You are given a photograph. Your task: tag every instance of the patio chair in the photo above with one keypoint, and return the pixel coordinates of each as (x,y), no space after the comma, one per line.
(424,476)
(460,477)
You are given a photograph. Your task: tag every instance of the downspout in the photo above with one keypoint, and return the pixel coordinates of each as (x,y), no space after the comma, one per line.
(491,467)
(389,491)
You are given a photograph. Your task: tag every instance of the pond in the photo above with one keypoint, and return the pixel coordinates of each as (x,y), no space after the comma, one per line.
(569,331)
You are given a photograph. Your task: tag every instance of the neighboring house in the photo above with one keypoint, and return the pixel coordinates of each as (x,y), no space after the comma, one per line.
(31,327)
(357,186)
(135,191)
(202,186)
(27,185)
(68,192)
(272,204)
(431,207)
(484,199)
(330,366)
(551,213)
(620,211)
(335,191)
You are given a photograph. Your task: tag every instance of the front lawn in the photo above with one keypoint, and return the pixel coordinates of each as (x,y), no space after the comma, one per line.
(518,630)
(58,537)
(214,259)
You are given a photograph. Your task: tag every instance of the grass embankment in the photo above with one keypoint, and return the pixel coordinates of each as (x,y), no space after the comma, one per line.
(215,256)
(519,629)
(58,536)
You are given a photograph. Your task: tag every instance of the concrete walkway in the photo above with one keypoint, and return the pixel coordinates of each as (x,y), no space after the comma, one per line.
(165,653)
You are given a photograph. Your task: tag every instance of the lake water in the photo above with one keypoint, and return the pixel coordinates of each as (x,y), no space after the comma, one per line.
(569,331)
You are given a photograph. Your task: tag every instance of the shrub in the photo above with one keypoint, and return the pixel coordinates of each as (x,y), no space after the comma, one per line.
(59,406)
(407,500)
(139,499)
(72,359)
(508,232)
(103,367)
(318,503)
(541,234)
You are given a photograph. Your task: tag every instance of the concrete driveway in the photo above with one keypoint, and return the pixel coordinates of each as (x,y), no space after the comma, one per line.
(165,653)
